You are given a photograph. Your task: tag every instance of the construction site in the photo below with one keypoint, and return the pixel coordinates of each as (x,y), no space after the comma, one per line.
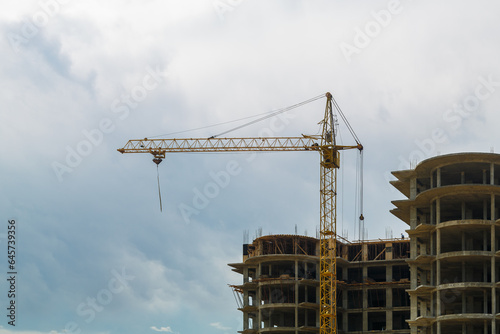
(442,279)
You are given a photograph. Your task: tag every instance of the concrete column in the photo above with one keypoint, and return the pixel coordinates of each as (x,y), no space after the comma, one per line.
(296,293)
(493,251)
(423,309)
(433,276)
(464,303)
(413,218)
(364,293)
(245,275)
(493,279)
(433,213)
(438,211)
(463,241)
(365,307)
(318,299)
(433,244)
(492,207)
(259,318)
(463,271)
(485,302)
(388,305)
(245,316)
(413,277)
(388,273)
(388,298)
(438,177)
(413,248)
(413,188)
(438,275)
(492,175)
(485,241)
(433,311)
(296,318)
(413,300)
(306,317)
(258,299)
(345,318)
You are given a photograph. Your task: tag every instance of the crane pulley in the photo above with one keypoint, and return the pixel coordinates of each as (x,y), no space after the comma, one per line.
(329,151)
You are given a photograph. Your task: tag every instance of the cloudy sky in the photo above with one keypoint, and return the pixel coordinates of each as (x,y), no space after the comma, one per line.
(94,254)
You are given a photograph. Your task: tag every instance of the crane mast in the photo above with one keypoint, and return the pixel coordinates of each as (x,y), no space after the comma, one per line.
(328,224)
(325,144)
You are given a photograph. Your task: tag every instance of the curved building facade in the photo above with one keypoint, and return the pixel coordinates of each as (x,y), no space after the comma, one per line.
(452,210)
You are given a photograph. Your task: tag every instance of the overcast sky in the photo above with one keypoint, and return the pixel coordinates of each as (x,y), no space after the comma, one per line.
(79,78)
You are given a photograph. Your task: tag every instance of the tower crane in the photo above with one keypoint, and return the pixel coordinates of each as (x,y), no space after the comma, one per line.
(326,145)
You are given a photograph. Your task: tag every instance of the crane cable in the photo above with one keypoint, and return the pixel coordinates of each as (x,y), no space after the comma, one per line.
(351,130)
(337,132)
(356,202)
(273,113)
(361,217)
(159,191)
(157,161)
(359,176)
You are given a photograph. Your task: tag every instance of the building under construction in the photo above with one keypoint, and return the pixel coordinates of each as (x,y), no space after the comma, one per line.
(452,210)
(443,279)
(280,285)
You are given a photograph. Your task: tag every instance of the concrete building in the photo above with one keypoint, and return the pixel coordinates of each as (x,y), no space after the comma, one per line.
(280,290)
(452,209)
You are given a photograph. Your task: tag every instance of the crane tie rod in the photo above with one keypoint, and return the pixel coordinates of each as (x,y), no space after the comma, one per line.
(274,113)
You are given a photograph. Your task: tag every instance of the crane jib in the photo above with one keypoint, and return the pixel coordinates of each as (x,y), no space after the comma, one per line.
(228,145)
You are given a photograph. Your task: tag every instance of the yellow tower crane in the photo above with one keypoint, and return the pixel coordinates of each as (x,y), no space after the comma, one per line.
(329,151)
